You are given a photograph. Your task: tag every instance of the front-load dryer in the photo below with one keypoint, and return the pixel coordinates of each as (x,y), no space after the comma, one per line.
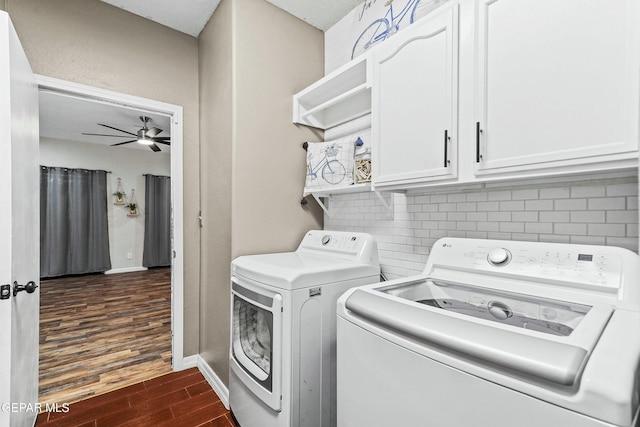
(283,316)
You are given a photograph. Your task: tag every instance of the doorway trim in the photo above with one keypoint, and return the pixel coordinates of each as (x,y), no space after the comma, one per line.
(94,94)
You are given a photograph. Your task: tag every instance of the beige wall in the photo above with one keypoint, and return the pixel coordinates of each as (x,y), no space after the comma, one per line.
(93,43)
(273,62)
(216,104)
(251,152)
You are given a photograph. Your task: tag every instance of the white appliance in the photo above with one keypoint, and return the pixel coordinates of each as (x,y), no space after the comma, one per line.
(495,333)
(283,316)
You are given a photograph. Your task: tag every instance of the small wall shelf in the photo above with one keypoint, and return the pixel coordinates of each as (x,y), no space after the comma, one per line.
(337,98)
(323,197)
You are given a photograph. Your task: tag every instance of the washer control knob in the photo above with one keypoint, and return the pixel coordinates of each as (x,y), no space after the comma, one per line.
(499,257)
(326,239)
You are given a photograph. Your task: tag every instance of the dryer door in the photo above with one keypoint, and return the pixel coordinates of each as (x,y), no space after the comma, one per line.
(256,328)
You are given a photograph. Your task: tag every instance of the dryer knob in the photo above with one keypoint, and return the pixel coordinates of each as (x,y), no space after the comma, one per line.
(326,239)
(499,257)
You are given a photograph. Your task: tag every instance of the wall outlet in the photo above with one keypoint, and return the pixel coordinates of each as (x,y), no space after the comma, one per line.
(129,255)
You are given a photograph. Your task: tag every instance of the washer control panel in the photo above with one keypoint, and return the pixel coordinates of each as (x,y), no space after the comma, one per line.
(581,265)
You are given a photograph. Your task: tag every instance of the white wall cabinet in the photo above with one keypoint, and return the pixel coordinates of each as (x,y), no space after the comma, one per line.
(556,85)
(414,103)
(494,90)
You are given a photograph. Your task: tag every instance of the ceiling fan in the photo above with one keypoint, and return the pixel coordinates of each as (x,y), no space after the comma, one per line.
(144,136)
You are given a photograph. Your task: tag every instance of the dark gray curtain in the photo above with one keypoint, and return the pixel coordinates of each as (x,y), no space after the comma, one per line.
(74,233)
(157,221)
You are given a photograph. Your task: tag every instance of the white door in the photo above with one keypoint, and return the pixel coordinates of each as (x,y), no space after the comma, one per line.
(20,230)
(556,83)
(414,114)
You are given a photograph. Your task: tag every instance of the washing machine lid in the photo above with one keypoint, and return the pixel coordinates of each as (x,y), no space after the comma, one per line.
(293,270)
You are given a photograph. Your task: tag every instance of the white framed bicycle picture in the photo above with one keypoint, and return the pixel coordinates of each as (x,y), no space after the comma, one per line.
(330,164)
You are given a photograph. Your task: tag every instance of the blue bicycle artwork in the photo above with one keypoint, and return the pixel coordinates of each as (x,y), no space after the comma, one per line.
(331,169)
(383,27)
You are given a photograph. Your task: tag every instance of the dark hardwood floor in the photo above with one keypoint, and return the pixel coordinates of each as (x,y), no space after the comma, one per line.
(99,333)
(180,399)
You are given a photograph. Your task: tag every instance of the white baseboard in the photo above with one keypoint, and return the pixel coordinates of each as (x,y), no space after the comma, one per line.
(125,270)
(214,381)
(186,363)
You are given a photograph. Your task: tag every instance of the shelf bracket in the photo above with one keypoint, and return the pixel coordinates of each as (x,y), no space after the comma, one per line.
(387,205)
(322,204)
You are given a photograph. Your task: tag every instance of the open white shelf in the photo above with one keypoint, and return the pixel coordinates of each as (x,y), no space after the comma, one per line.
(337,98)
(325,192)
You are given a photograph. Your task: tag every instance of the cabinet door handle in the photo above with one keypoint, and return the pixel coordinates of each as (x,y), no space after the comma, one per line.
(446,148)
(478,132)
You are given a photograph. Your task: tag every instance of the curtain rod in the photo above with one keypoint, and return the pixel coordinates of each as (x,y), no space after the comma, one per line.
(74,169)
(159,176)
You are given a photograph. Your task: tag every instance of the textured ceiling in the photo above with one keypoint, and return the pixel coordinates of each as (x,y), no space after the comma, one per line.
(190,16)
(66,118)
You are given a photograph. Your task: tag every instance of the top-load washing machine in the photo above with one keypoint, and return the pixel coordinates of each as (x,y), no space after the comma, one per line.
(495,333)
(283,316)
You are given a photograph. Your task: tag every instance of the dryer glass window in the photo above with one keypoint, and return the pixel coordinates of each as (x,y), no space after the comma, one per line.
(253,336)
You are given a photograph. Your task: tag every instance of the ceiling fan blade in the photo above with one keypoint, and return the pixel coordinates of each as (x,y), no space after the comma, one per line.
(151,133)
(162,138)
(119,130)
(160,141)
(154,147)
(102,134)
(126,142)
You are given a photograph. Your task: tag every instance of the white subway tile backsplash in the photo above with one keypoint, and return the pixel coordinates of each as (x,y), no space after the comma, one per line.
(477,197)
(512,227)
(592,216)
(607,230)
(538,227)
(623,242)
(570,205)
(621,217)
(607,203)
(512,206)
(588,191)
(554,238)
(525,216)
(555,193)
(499,195)
(588,240)
(499,216)
(538,205)
(555,216)
(625,189)
(603,212)
(570,229)
(525,194)
(488,206)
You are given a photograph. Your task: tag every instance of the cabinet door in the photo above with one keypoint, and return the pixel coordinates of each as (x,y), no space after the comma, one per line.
(414,118)
(556,83)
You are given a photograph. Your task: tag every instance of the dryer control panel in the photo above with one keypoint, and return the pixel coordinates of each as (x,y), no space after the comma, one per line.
(357,247)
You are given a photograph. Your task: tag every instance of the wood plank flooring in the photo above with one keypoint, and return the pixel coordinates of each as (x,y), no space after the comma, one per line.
(99,333)
(180,399)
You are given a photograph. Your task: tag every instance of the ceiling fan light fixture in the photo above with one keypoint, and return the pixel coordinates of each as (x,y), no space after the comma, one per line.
(142,137)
